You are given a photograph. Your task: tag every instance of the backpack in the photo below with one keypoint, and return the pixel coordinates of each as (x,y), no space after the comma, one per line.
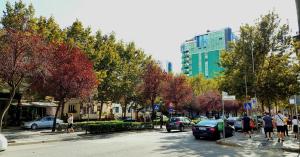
(252,125)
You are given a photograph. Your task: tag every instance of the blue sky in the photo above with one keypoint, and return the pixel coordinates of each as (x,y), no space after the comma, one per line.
(160,26)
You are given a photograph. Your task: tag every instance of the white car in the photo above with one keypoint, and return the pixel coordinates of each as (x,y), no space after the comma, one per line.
(3,143)
(45,122)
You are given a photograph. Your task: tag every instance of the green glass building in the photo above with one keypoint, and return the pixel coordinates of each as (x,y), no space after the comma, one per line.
(201,54)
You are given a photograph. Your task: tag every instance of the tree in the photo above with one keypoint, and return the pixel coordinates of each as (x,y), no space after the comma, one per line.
(106,61)
(176,90)
(210,101)
(201,85)
(152,78)
(22,57)
(132,65)
(69,75)
(264,39)
(19,17)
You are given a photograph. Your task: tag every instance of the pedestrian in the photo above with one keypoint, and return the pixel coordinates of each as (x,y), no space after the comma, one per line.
(70,123)
(263,129)
(295,122)
(161,120)
(268,125)
(286,130)
(246,125)
(290,122)
(279,119)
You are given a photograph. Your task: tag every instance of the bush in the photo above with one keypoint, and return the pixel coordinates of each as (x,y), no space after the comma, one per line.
(106,127)
(96,127)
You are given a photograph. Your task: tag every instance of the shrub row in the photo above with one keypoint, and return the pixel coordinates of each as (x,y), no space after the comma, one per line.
(117,126)
(95,127)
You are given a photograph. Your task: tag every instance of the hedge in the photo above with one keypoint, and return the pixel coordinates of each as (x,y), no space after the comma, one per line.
(117,126)
(95,127)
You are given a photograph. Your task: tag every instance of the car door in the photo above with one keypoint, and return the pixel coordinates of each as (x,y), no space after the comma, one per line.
(47,121)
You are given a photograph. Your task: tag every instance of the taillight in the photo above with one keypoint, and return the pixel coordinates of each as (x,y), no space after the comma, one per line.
(212,129)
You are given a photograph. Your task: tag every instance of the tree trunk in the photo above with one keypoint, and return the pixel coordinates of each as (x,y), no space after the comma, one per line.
(6,107)
(56,114)
(153,111)
(262,107)
(101,107)
(62,111)
(125,109)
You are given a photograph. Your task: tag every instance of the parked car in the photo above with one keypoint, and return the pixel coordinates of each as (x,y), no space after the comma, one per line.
(3,142)
(45,122)
(238,124)
(178,123)
(209,129)
(127,119)
(231,120)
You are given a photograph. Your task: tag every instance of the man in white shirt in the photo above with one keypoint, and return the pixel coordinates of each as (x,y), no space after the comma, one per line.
(279,120)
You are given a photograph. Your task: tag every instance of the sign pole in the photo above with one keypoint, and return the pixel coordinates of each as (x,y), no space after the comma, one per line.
(295,101)
(223,117)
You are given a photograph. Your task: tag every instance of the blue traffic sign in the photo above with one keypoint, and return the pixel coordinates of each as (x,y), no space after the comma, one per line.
(247,106)
(156,107)
(171,110)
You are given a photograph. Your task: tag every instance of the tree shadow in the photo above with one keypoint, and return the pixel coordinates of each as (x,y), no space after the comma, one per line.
(183,145)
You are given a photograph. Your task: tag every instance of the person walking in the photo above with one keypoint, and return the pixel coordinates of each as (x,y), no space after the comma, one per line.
(268,125)
(70,123)
(295,122)
(286,130)
(279,120)
(246,125)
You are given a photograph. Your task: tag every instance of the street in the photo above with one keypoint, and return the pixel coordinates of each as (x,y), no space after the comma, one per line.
(134,144)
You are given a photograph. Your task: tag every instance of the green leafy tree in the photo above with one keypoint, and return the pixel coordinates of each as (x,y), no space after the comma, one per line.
(201,85)
(265,40)
(19,17)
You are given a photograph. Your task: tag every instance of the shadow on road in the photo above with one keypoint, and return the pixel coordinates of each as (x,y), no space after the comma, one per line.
(185,144)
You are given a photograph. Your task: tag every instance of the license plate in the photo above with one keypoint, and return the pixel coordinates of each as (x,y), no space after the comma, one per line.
(202,128)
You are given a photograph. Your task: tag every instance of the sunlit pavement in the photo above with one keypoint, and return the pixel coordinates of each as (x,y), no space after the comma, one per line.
(140,144)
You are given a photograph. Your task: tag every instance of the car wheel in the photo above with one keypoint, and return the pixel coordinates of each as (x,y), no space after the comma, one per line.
(169,130)
(34,126)
(197,137)
(181,128)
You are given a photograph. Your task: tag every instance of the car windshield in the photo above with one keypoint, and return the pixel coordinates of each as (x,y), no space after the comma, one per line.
(174,119)
(208,123)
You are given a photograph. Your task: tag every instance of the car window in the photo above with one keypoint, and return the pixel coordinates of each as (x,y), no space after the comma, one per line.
(49,118)
(207,122)
(174,119)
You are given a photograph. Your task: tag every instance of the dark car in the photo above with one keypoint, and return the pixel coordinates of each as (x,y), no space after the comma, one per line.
(209,129)
(178,123)
(127,119)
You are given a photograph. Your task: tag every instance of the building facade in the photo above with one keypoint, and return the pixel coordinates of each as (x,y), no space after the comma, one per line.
(201,54)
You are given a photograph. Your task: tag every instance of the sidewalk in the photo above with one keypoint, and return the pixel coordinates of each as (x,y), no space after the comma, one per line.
(259,141)
(23,137)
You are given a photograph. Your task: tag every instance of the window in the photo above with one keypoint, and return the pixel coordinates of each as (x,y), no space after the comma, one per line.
(71,109)
(129,110)
(116,109)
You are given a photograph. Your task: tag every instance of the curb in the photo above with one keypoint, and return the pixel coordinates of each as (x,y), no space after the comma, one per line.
(39,142)
(295,150)
(227,143)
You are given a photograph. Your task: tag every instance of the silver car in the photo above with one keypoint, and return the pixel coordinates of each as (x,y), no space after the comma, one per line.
(45,122)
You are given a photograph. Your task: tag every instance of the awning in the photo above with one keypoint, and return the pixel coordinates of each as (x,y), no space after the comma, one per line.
(38,104)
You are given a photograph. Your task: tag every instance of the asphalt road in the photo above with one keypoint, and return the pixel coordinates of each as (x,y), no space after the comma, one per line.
(141,144)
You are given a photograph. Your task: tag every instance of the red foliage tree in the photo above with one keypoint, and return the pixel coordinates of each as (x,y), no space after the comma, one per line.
(22,56)
(70,75)
(232,106)
(210,101)
(152,78)
(176,90)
